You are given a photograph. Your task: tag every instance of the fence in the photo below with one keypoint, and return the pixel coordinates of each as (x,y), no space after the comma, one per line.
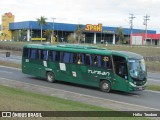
(12,48)
(152,59)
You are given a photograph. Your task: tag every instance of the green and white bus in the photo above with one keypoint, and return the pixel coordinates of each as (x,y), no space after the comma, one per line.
(86,65)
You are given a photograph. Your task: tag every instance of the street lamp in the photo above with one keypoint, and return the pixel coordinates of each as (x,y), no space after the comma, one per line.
(52,38)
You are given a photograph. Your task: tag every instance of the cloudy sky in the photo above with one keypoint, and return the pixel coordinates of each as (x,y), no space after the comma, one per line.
(108,12)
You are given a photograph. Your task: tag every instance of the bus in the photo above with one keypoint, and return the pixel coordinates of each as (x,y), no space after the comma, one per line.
(86,65)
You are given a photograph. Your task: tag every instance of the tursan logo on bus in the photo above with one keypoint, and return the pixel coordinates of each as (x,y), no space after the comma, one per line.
(99,72)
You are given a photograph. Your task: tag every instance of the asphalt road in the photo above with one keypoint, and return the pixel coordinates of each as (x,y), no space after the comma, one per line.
(12,58)
(143,98)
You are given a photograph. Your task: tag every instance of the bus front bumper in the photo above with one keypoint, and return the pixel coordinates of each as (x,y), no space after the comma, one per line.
(138,88)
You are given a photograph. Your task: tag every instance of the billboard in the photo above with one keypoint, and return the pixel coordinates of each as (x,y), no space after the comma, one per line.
(93,28)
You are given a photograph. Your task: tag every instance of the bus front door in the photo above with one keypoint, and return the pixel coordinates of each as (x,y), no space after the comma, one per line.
(121,74)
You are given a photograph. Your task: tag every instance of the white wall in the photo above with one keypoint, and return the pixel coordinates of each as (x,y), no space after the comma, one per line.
(158,42)
(137,40)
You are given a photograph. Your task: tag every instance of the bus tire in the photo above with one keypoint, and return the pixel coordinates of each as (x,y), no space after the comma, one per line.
(105,86)
(50,77)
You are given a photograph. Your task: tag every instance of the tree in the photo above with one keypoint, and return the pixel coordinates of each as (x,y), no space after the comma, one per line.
(4,36)
(48,34)
(120,34)
(23,34)
(41,21)
(16,35)
(79,32)
(71,38)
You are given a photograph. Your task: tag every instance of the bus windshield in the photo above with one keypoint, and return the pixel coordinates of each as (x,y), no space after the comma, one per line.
(137,68)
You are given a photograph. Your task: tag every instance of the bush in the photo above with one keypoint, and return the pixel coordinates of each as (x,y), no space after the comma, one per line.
(71,39)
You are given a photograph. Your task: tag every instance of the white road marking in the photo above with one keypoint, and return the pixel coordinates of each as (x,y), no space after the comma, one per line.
(86,95)
(153,73)
(5,71)
(153,80)
(10,67)
(153,91)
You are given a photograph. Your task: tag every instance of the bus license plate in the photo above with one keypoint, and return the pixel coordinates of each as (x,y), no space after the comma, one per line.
(140,88)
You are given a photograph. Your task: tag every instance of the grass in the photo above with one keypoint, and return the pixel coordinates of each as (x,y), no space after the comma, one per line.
(153,66)
(18,100)
(153,87)
(10,64)
(143,50)
(15,99)
(17,44)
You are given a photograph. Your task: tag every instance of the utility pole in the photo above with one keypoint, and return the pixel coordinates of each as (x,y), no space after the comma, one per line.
(146,18)
(131,26)
(52,38)
(31,34)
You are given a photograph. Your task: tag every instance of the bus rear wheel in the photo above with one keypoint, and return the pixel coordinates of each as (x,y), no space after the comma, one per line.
(50,77)
(105,86)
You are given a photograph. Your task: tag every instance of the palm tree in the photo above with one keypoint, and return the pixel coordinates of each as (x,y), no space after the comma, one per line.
(48,34)
(120,34)
(41,21)
(79,32)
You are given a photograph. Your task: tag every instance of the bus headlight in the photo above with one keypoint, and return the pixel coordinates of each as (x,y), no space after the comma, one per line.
(132,84)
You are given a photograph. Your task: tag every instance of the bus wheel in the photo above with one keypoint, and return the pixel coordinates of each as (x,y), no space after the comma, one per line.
(105,86)
(50,77)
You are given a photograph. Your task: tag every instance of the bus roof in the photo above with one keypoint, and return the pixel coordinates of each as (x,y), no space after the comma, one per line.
(129,55)
(85,49)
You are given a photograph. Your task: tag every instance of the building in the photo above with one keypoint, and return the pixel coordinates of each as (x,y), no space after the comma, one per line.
(5,31)
(145,39)
(92,34)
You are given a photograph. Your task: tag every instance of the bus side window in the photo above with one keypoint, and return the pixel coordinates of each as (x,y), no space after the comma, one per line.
(79,59)
(71,60)
(39,54)
(33,54)
(82,58)
(88,59)
(45,55)
(99,61)
(75,56)
(26,52)
(53,55)
(57,56)
(66,57)
(61,56)
(106,61)
(49,55)
(95,60)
